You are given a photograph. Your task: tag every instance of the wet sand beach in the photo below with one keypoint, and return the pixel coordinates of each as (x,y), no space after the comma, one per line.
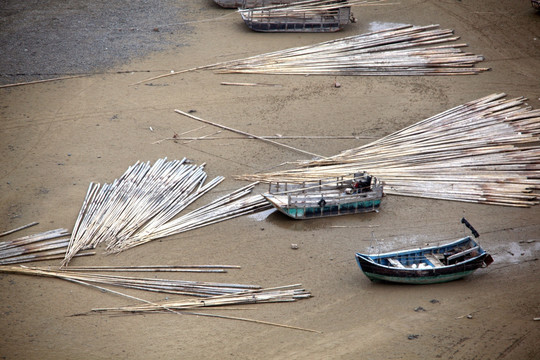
(57,137)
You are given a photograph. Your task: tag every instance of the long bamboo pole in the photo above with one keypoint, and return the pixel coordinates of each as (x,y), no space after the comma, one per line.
(245,133)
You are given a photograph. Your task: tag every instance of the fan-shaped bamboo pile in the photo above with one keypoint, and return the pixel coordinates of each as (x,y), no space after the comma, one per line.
(485,151)
(140,205)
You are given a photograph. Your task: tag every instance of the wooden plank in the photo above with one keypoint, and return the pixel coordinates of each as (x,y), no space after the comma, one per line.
(463,253)
(433,259)
(395,263)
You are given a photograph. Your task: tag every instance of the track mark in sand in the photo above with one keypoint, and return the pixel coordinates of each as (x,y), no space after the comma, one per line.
(42,135)
(512,346)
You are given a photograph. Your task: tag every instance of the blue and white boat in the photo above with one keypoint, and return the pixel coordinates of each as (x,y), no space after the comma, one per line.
(435,264)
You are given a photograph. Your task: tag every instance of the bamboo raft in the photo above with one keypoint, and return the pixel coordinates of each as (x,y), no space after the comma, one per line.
(485,151)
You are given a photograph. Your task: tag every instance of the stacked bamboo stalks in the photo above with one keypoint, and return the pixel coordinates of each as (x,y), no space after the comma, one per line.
(227,207)
(288,293)
(168,286)
(140,206)
(485,151)
(397,51)
(402,50)
(47,245)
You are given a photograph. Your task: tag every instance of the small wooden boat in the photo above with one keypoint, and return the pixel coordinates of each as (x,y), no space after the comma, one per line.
(428,265)
(299,16)
(357,193)
(229,4)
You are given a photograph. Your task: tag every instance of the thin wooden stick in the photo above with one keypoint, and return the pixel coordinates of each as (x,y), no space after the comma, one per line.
(247,84)
(251,320)
(291,137)
(245,133)
(42,81)
(19,228)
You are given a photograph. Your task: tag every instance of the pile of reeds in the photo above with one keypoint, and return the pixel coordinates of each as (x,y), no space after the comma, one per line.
(141,206)
(485,151)
(47,245)
(403,50)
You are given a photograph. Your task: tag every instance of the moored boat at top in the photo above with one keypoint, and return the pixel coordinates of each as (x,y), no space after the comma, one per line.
(356,193)
(435,264)
(235,4)
(298,16)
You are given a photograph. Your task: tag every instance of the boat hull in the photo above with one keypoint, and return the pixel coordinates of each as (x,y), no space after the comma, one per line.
(355,207)
(377,267)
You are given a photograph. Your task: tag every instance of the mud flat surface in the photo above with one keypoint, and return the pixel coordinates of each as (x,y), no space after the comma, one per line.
(58,137)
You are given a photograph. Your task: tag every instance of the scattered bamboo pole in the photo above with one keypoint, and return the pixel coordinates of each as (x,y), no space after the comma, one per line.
(251,320)
(42,81)
(227,83)
(485,151)
(272,137)
(158,268)
(245,133)
(18,229)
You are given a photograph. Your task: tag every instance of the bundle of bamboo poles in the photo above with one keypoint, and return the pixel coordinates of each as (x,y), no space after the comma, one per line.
(279,294)
(227,207)
(48,245)
(140,206)
(398,51)
(485,151)
(168,286)
(402,50)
